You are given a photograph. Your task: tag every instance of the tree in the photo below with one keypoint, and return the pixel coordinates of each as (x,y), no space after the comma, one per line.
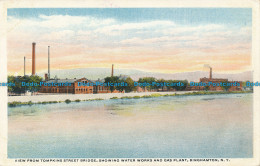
(130,85)
(17,84)
(35,80)
(183,86)
(10,79)
(169,82)
(149,80)
(110,80)
(120,88)
(161,83)
(18,88)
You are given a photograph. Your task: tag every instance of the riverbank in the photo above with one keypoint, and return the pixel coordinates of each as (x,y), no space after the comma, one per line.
(67,98)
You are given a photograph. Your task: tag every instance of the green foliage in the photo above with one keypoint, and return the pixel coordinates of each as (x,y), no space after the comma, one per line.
(180,88)
(130,85)
(52,102)
(161,82)
(146,96)
(18,88)
(161,85)
(78,100)
(113,80)
(13,104)
(114,98)
(129,81)
(136,97)
(67,101)
(17,82)
(94,99)
(18,103)
(98,99)
(30,103)
(156,95)
(35,80)
(126,97)
(149,80)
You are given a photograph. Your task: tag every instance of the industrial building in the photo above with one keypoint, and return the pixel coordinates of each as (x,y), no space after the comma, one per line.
(67,85)
(215,80)
(73,87)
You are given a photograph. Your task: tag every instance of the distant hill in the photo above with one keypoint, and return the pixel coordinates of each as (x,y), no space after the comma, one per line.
(95,73)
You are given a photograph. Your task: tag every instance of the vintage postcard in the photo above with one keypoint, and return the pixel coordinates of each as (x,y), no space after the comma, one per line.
(130,83)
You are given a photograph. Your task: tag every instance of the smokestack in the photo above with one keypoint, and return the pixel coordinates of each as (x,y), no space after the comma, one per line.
(210,73)
(49,73)
(33,58)
(210,70)
(112,73)
(24,66)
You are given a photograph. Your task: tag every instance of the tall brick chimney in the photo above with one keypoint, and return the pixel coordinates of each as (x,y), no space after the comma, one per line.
(210,73)
(33,58)
(112,73)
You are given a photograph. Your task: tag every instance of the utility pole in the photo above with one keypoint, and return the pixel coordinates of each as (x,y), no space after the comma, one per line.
(49,74)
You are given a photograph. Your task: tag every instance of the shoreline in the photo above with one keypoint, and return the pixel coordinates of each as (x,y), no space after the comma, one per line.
(14,101)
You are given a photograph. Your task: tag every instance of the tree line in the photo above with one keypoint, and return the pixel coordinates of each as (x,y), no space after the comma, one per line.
(19,89)
(151,87)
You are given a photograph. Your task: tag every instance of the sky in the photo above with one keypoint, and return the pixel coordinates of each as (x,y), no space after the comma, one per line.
(164,40)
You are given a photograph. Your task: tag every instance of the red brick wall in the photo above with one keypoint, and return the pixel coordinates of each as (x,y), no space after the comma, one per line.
(83,89)
(57,89)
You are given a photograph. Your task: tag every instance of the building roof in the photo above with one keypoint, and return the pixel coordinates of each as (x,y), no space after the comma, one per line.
(65,80)
(99,80)
(123,77)
(62,80)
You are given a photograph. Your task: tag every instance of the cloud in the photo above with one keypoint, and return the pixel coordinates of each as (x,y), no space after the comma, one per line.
(134,26)
(158,45)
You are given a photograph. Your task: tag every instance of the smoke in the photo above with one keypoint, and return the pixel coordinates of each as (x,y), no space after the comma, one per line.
(207,66)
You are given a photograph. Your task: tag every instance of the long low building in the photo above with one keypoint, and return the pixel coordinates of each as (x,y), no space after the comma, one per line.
(72,86)
(211,87)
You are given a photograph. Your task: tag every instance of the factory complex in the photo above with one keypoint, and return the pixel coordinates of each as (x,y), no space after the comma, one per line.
(76,86)
(212,84)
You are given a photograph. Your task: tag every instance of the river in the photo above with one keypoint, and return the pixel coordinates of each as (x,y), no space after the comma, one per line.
(205,126)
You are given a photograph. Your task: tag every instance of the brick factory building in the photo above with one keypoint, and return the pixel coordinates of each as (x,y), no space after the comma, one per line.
(220,80)
(67,86)
(216,81)
(71,86)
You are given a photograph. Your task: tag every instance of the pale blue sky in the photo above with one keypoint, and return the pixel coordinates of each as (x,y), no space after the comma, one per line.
(230,16)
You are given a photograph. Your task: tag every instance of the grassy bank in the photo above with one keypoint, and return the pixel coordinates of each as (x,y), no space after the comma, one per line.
(15,103)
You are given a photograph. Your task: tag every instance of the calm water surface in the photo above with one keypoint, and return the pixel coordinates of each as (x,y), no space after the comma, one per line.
(209,126)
